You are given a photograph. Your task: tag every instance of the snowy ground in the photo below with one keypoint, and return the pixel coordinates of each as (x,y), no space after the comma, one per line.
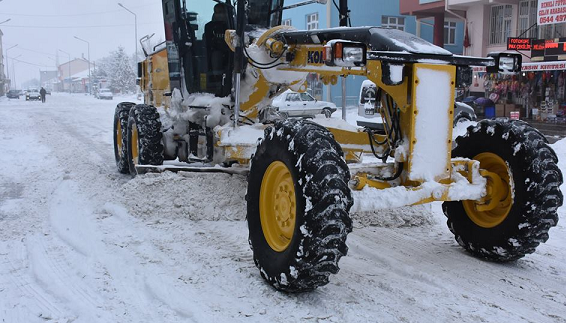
(81,243)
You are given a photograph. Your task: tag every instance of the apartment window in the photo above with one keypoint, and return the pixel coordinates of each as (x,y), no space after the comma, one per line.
(312,21)
(287,22)
(527,15)
(449,33)
(393,22)
(500,24)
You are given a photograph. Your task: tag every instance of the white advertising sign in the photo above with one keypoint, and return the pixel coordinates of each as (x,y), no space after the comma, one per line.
(531,67)
(550,12)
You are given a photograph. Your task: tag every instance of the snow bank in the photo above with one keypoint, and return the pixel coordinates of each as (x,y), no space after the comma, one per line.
(194,196)
(217,196)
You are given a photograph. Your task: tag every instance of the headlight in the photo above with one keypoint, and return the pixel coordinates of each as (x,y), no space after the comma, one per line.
(353,54)
(344,53)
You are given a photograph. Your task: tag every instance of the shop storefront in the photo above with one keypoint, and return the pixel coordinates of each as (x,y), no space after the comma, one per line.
(537,93)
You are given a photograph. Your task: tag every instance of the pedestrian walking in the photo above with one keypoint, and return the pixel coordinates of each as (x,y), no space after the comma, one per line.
(42,92)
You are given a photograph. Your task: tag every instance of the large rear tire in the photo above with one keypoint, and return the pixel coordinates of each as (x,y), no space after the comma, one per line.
(144,137)
(121,136)
(527,167)
(298,203)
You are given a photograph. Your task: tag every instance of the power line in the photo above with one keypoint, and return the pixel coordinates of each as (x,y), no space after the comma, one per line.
(72,15)
(20,61)
(73,27)
(33,51)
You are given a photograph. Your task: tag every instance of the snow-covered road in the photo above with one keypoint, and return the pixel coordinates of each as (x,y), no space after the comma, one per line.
(81,243)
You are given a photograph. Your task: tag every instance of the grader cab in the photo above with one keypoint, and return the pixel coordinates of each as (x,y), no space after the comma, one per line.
(207,92)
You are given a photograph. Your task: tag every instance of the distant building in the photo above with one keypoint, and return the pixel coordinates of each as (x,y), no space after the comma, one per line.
(48,79)
(74,68)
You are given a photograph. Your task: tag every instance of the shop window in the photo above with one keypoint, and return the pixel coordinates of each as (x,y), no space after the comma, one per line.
(286,22)
(312,21)
(393,22)
(500,24)
(552,31)
(450,33)
(527,17)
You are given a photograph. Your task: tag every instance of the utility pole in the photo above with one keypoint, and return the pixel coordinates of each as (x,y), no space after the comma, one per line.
(89,57)
(8,63)
(14,70)
(343,22)
(135,28)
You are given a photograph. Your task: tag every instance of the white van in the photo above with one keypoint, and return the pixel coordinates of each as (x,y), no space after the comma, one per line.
(366,99)
(367,109)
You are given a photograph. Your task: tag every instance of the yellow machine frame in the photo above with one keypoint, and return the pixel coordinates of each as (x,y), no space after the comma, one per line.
(354,143)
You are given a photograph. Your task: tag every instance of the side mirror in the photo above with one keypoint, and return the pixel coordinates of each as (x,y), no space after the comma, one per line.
(505,63)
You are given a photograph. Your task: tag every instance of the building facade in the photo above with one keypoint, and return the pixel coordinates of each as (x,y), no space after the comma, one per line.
(538,92)
(384,13)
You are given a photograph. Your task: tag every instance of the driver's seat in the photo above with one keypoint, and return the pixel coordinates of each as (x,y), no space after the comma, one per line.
(218,52)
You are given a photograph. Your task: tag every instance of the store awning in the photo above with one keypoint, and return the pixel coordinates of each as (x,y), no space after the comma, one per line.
(532,67)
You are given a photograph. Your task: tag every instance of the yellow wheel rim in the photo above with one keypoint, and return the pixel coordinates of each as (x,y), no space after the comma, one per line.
(119,136)
(134,144)
(494,208)
(277,206)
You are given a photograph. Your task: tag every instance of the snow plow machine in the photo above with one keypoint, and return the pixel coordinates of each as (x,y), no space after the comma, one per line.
(207,93)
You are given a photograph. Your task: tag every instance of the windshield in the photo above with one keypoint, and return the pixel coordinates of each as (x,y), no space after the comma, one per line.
(259,12)
(307,97)
(105,91)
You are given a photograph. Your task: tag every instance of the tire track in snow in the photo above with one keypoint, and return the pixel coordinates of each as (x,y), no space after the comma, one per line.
(55,276)
(21,275)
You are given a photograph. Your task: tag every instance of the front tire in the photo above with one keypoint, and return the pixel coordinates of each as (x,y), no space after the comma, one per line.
(144,137)
(121,136)
(327,112)
(298,203)
(527,167)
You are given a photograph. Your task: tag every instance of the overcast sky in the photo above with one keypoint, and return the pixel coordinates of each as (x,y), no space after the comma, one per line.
(42,27)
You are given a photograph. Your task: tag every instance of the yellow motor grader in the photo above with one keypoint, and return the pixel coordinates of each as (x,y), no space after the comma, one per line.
(207,93)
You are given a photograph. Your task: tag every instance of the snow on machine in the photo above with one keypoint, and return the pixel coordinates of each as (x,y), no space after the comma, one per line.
(205,91)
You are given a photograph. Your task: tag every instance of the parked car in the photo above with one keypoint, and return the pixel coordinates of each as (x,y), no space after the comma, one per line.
(32,94)
(104,94)
(294,104)
(366,99)
(13,94)
(463,112)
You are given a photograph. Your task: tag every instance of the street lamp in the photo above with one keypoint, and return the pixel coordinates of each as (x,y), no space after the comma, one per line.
(136,27)
(14,70)
(89,56)
(7,63)
(69,63)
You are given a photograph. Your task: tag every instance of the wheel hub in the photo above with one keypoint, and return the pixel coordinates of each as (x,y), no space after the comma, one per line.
(277,206)
(495,206)
(119,136)
(134,145)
